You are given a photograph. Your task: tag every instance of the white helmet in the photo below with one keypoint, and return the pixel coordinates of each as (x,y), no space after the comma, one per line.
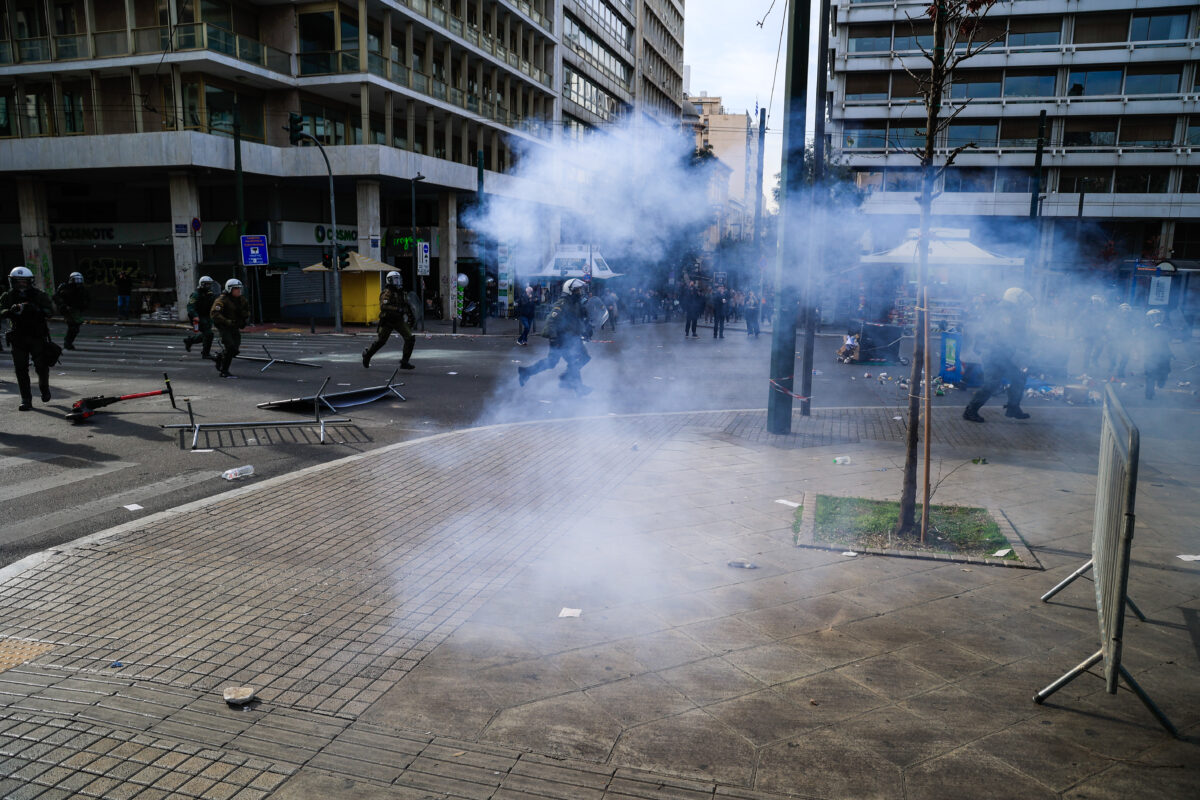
(1018,297)
(1124,308)
(1154,316)
(232,283)
(20,274)
(1097,300)
(394,278)
(75,277)
(572,286)
(205,282)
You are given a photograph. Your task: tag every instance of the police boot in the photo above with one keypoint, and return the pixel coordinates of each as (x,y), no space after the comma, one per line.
(522,375)
(1015,412)
(366,356)
(44,386)
(408,348)
(971,412)
(187,343)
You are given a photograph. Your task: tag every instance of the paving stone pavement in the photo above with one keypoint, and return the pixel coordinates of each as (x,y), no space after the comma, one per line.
(398,612)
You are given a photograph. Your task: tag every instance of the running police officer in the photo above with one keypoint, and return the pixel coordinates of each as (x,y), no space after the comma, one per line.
(28,308)
(230,313)
(199,309)
(566,327)
(72,300)
(395,313)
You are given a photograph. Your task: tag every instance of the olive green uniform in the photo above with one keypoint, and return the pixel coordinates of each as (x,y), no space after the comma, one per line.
(29,339)
(72,300)
(230,314)
(199,308)
(395,314)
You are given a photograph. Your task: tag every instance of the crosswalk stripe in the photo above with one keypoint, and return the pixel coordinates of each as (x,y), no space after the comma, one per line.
(62,478)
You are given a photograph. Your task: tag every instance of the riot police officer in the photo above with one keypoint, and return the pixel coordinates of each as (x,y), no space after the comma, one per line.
(566,327)
(230,313)
(199,309)
(28,308)
(395,313)
(72,299)
(1004,350)
(1156,351)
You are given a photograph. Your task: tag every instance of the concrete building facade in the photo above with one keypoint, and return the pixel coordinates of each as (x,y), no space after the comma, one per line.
(1120,82)
(117,123)
(734,140)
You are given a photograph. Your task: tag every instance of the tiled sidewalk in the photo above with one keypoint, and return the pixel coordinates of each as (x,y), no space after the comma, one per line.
(398,612)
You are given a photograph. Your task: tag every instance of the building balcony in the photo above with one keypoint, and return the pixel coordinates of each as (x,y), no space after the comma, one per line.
(159,39)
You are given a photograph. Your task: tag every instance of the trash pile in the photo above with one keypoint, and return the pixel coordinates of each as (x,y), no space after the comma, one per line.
(163,313)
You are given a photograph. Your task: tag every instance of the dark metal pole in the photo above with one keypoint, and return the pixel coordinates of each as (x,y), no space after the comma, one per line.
(337,282)
(483,292)
(416,254)
(1034,204)
(783,333)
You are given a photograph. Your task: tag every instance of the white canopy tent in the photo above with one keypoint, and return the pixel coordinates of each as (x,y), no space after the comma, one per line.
(948,247)
(574,261)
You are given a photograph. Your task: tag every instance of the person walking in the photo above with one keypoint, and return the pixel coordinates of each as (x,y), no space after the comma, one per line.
(28,309)
(199,310)
(720,308)
(230,313)
(395,314)
(124,284)
(526,311)
(1156,351)
(566,327)
(693,304)
(751,310)
(1005,346)
(72,299)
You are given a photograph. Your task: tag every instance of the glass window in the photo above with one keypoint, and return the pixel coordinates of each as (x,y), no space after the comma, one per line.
(868,179)
(1191,184)
(1085,82)
(970,179)
(1018,180)
(1085,179)
(1152,80)
(870,38)
(913,36)
(1090,132)
(864,135)
(1032,31)
(902,180)
(1100,28)
(1029,83)
(988,34)
(1154,27)
(250,112)
(904,88)
(72,112)
(972,84)
(981,133)
(1192,134)
(1020,132)
(218,103)
(6,117)
(1142,180)
(901,136)
(317,32)
(1147,131)
(866,86)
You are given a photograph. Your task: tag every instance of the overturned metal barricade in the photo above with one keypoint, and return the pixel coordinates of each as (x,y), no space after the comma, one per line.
(317,421)
(271,360)
(1112,538)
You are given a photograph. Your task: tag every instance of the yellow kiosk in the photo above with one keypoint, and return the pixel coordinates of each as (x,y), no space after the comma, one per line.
(362,282)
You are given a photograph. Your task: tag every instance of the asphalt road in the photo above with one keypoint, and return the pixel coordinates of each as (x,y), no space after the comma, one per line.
(60,481)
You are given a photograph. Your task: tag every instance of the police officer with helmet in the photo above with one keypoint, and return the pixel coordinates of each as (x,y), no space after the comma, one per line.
(72,300)
(230,313)
(199,309)
(28,309)
(1004,349)
(396,314)
(566,327)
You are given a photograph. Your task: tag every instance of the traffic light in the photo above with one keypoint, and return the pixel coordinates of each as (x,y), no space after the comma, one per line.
(295,128)
(343,257)
(326,261)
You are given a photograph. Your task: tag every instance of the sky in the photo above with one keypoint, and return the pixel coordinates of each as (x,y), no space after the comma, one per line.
(731,57)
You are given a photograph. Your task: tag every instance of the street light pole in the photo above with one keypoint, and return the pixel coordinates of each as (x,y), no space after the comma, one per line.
(296,134)
(416,255)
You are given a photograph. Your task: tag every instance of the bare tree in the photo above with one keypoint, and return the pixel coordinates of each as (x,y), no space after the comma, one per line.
(958,34)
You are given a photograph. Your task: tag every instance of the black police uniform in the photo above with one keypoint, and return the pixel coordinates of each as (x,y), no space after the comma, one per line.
(28,309)
(199,308)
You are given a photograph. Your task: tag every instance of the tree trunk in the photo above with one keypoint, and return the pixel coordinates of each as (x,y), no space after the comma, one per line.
(906,525)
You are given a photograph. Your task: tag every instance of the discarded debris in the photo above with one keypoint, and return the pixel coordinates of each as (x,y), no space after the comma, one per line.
(850,554)
(841,460)
(209,450)
(898,418)
(238,472)
(133,507)
(635,447)
(570,612)
(451,373)
(742,563)
(1188,558)
(812,702)
(239,695)
(116,665)
(980,460)
(1002,552)
(788,503)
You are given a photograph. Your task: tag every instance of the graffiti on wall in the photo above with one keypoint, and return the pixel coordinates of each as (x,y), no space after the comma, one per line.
(39,264)
(103,271)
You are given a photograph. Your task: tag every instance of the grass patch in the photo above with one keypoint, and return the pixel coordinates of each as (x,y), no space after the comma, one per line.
(796,524)
(855,522)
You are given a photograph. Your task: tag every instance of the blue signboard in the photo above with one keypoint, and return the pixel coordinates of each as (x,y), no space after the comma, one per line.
(254,251)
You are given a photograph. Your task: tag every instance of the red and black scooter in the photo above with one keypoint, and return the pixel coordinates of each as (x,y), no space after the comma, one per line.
(82,409)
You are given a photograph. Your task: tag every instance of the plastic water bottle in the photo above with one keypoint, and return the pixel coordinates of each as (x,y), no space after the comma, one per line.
(836,460)
(238,472)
